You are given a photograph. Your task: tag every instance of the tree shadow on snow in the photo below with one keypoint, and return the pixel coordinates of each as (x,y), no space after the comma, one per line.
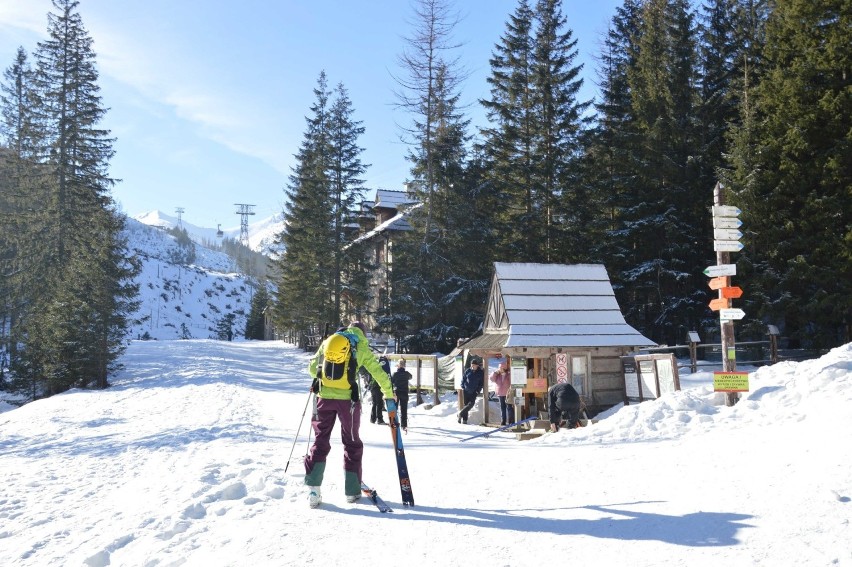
(699,529)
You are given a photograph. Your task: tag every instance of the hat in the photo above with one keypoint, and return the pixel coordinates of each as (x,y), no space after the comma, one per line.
(401,363)
(476,361)
(360,325)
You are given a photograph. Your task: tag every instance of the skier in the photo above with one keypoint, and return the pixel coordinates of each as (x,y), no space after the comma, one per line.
(471,386)
(338,400)
(564,406)
(502,379)
(400,381)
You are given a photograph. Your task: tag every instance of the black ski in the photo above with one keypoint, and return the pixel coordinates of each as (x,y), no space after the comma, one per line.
(374,497)
(401,466)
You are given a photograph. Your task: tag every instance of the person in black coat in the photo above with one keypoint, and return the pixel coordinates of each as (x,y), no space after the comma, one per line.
(400,381)
(376,395)
(564,406)
(471,384)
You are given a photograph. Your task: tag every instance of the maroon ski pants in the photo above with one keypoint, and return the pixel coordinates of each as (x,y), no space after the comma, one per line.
(328,412)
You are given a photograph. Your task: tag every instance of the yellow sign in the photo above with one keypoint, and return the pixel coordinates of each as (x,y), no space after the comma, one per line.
(730,381)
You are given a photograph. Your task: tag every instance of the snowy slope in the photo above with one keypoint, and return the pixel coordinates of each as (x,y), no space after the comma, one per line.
(182,462)
(177,300)
(261,233)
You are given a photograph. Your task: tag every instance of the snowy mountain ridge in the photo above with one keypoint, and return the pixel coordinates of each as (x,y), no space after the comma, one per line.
(184,301)
(261,234)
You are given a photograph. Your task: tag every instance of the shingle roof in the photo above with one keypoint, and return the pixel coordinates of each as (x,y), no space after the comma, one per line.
(391,199)
(554,305)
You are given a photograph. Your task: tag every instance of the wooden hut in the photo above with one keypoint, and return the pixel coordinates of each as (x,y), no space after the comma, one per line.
(556,322)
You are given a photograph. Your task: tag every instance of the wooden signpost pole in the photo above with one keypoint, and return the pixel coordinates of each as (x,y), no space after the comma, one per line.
(729,360)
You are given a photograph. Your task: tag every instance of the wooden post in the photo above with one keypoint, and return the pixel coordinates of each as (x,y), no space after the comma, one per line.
(729,360)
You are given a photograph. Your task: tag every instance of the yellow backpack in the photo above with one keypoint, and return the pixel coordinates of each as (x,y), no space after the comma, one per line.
(339,364)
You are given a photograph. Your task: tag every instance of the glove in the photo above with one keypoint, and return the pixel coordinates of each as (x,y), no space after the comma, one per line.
(315,386)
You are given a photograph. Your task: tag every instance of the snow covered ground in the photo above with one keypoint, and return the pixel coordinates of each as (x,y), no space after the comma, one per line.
(182,462)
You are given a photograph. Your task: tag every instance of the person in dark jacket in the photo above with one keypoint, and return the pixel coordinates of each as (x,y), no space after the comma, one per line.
(376,415)
(471,384)
(564,406)
(400,381)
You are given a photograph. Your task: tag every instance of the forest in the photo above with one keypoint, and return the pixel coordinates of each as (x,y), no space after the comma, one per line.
(752,95)
(749,94)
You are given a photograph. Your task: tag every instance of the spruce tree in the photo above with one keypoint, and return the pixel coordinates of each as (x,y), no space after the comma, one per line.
(323,193)
(666,212)
(509,137)
(563,206)
(797,210)
(75,325)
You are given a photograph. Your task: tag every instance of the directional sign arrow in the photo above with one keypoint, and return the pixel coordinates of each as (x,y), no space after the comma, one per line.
(727,246)
(721,270)
(731,292)
(726,222)
(718,282)
(720,303)
(727,234)
(725,211)
(731,314)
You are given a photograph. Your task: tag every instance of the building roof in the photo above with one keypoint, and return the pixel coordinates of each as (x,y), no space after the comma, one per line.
(553,305)
(392,199)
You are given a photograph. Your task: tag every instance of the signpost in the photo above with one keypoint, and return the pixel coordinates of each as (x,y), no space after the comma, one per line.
(726,240)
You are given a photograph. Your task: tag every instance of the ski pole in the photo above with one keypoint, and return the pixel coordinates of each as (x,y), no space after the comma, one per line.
(296,438)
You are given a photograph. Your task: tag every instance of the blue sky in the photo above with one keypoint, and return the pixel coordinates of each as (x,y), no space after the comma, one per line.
(207,98)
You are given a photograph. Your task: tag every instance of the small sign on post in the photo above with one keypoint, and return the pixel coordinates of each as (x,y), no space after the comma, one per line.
(732,292)
(720,270)
(730,381)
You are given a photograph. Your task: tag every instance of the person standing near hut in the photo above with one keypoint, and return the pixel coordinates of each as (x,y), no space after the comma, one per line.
(400,380)
(472,382)
(502,379)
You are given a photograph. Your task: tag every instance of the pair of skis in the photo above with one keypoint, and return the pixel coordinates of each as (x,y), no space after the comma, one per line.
(401,466)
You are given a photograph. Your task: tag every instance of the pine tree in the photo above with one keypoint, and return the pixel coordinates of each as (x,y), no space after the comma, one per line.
(73,332)
(563,207)
(666,213)
(612,160)
(255,323)
(304,295)
(797,210)
(435,281)
(323,194)
(438,286)
(347,187)
(509,138)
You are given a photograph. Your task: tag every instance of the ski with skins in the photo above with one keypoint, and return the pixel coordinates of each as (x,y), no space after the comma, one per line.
(375,499)
(487,433)
(401,466)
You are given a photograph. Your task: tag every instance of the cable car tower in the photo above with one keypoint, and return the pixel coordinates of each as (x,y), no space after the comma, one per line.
(244,211)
